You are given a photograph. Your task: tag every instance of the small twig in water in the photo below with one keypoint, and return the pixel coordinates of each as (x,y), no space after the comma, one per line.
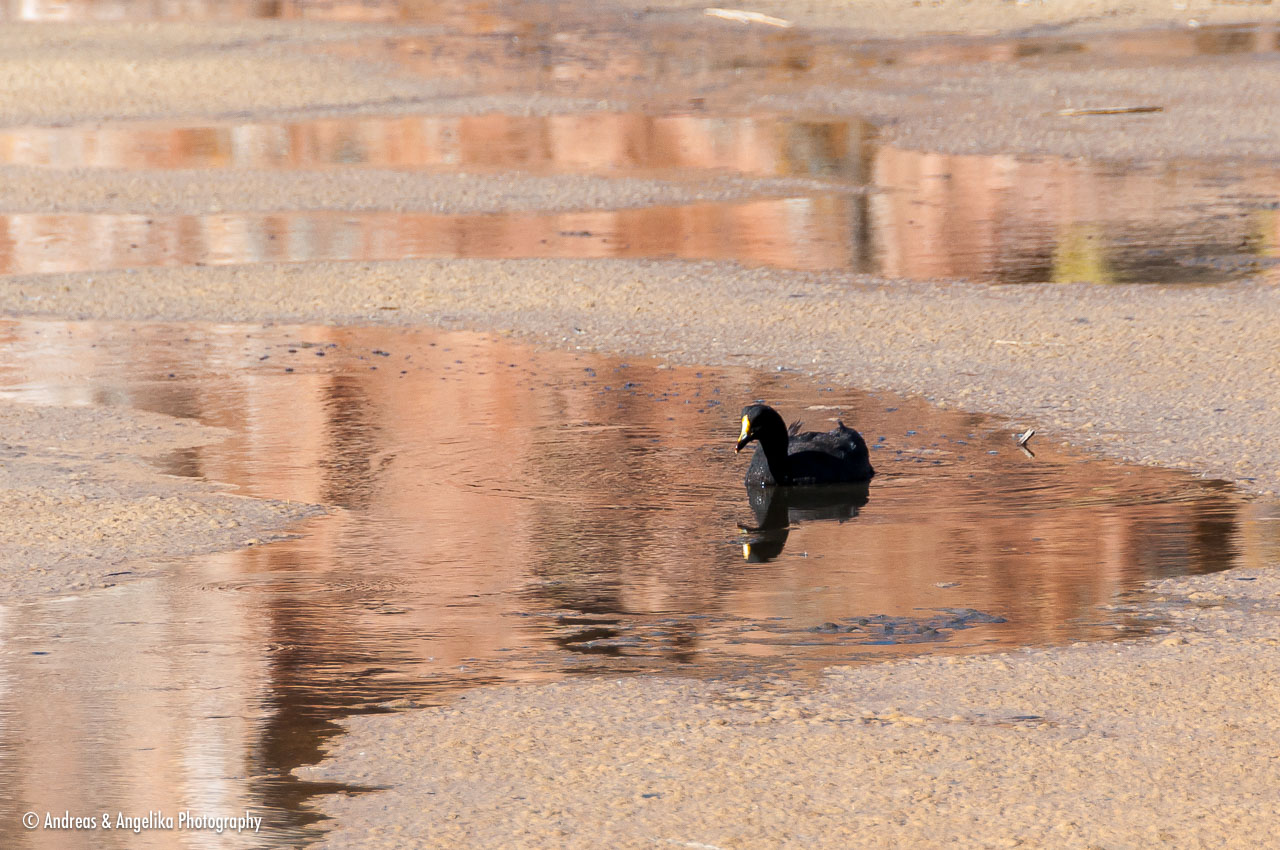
(1023,439)
(743,17)
(1107,110)
(1023,342)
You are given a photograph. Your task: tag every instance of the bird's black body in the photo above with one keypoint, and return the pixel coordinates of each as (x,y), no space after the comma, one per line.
(787,458)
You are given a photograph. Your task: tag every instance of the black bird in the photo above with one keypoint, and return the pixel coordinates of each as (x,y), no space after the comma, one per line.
(786,458)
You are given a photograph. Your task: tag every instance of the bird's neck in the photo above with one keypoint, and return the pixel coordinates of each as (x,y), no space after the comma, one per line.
(774,447)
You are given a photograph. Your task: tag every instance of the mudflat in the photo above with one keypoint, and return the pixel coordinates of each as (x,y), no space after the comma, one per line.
(82,509)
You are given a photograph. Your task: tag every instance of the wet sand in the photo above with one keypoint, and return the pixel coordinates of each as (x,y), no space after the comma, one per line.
(905,18)
(55,72)
(81,508)
(197,192)
(1209,107)
(1160,740)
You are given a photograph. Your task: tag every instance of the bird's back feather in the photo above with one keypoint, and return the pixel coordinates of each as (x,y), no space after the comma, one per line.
(838,456)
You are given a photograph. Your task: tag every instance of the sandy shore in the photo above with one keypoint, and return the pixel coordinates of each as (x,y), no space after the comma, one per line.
(905,18)
(1209,107)
(80,508)
(54,72)
(197,192)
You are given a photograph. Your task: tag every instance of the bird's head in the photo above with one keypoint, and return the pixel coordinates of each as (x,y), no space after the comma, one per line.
(759,420)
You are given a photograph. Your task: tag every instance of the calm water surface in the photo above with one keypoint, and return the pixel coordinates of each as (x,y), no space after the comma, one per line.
(509,514)
(869,207)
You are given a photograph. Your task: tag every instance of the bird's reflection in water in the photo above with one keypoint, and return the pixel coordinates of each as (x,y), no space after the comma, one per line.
(776,509)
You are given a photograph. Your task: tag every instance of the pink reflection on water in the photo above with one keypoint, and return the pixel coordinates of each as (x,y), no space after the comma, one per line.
(799,233)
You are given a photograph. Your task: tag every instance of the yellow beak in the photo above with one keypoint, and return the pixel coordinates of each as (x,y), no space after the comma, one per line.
(745,435)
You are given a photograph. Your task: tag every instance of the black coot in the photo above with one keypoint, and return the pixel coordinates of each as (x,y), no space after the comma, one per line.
(787,458)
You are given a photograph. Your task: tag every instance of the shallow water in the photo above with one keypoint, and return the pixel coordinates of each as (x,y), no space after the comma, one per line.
(872,209)
(712,231)
(510,514)
(868,207)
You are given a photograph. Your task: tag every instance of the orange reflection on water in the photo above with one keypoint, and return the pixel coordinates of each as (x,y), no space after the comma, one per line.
(477,434)
(1050,219)
(995,218)
(431,11)
(656,59)
(509,514)
(998,218)
(800,233)
(605,143)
